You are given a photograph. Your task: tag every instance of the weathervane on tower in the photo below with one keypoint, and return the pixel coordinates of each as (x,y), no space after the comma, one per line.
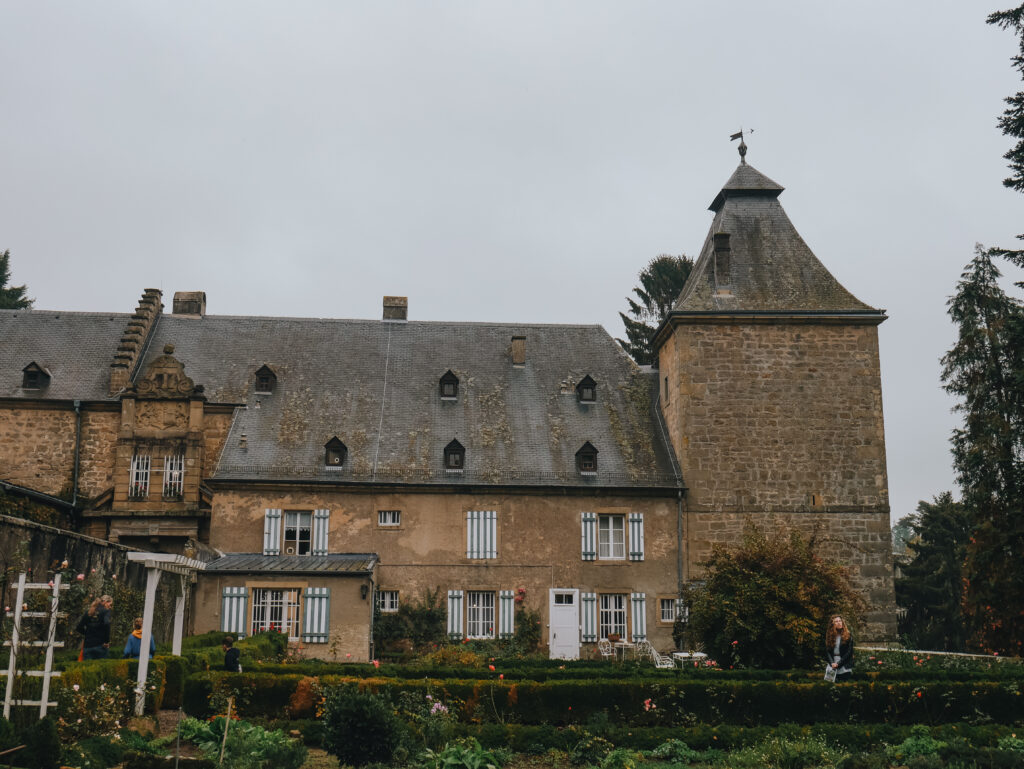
(743,145)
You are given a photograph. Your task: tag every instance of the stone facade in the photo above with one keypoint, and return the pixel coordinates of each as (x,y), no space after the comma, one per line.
(311,462)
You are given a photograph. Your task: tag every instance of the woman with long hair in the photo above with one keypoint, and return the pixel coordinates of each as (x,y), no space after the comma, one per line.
(839,648)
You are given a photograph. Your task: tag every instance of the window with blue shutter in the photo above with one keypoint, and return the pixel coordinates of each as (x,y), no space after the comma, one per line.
(589,536)
(636,536)
(234,611)
(316,625)
(455,615)
(506,614)
(588,616)
(638,601)
(481,534)
(272,532)
(321,524)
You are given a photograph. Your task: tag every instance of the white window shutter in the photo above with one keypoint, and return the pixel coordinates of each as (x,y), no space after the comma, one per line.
(588,618)
(455,614)
(481,534)
(316,625)
(589,536)
(234,611)
(321,525)
(272,532)
(638,601)
(636,536)
(506,614)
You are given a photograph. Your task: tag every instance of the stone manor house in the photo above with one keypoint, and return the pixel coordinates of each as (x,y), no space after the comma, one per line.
(323,467)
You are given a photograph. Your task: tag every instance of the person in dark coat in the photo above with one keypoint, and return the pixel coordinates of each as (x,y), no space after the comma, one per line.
(232,663)
(839,648)
(133,646)
(95,627)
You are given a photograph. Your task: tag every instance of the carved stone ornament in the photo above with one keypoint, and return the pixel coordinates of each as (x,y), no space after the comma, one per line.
(165,378)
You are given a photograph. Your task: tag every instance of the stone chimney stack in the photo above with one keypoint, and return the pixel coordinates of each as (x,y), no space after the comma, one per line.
(190,303)
(396,308)
(519,351)
(133,340)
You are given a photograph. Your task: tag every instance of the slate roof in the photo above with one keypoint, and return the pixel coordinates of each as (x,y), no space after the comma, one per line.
(772,268)
(338,563)
(375,385)
(76,348)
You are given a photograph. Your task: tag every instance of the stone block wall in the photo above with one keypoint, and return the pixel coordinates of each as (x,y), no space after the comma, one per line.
(776,416)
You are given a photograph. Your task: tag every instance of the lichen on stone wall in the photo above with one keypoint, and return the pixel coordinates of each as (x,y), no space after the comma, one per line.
(493,423)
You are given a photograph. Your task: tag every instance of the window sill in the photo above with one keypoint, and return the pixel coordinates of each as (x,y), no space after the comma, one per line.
(453,471)
(334,468)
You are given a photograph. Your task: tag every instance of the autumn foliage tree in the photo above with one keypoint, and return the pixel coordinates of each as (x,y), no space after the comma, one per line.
(766,603)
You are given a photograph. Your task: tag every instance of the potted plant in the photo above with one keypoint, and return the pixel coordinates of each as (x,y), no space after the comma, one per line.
(614,637)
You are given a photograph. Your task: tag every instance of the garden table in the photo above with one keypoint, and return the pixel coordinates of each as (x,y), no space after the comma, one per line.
(623,646)
(683,657)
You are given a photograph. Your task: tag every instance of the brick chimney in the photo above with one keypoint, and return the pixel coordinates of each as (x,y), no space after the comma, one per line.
(190,303)
(519,351)
(134,339)
(396,308)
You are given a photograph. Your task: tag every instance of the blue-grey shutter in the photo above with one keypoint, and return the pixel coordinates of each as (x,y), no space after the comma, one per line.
(455,615)
(588,616)
(636,536)
(272,532)
(316,625)
(321,524)
(589,536)
(506,614)
(234,611)
(481,534)
(638,601)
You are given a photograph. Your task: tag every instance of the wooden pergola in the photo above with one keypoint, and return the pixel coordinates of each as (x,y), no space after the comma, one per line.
(157,564)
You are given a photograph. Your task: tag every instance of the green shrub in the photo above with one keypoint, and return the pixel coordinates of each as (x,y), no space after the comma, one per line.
(766,602)
(460,755)
(247,746)
(919,743)
(588,749)
(360,727)
(42,745)
(174,682)
(622,758)
(675,752)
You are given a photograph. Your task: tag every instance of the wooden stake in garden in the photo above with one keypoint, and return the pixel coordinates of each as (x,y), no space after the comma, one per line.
(227,723)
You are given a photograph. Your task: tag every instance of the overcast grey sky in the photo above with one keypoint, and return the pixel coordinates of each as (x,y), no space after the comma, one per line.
(516,161)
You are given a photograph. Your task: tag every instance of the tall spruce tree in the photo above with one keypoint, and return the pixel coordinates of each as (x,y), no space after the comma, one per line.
(660,283)
(11,297)
(985,369)
(931,586)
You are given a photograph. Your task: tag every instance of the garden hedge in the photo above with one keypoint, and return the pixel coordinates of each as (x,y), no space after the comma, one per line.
(90,674)
(675,703)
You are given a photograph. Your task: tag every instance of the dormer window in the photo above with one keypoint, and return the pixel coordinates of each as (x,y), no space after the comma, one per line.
(586,390)
(266,381)
(449,386)
(335,453)
(586,459)
(34,377)
(454,456)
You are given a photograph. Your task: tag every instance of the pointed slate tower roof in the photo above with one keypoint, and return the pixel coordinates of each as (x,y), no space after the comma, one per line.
(754,260)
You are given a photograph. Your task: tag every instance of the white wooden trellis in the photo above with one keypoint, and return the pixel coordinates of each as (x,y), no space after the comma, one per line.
(16,643)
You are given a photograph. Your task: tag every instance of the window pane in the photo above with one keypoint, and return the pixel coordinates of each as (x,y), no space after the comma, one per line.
(668,609)
(613,615)
(298,533)
(611,537)
(276,610)
(479,614)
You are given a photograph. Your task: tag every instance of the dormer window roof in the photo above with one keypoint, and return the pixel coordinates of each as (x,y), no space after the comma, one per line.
(266,381)
(586,390)
(586,459)
(449,386)
(454,456)
(335,453)
(34,377)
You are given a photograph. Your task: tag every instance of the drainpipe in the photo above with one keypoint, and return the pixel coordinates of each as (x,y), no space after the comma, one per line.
(680,539)
(78,452)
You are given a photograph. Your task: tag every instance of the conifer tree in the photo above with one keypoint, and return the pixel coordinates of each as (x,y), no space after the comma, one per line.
(930,587)
(985,369)
(11,297)
(660,283)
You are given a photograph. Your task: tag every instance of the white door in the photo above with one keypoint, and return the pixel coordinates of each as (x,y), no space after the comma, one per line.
(564,624)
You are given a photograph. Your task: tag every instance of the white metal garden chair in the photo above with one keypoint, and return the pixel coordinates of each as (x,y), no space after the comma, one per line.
(604,646)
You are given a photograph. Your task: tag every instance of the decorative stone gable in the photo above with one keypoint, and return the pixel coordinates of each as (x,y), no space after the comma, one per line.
(133,339)
(165,378)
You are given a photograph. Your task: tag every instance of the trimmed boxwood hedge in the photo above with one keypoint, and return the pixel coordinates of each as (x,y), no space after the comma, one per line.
(677,703)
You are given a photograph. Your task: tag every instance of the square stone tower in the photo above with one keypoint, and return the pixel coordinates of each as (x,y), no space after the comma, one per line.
(771,391)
